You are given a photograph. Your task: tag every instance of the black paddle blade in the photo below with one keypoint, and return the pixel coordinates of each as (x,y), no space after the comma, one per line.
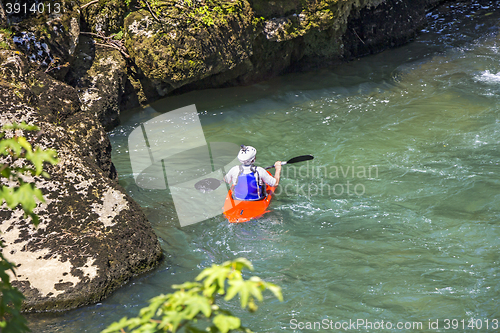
(300,159)
(208,185)
(294,160)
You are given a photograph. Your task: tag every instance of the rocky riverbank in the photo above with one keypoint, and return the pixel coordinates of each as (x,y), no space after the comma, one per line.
(92,236)
(72,71)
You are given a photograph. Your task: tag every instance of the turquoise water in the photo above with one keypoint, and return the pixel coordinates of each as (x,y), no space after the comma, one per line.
(412,236)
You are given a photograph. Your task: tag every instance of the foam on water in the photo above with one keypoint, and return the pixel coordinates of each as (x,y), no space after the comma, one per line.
(488,77)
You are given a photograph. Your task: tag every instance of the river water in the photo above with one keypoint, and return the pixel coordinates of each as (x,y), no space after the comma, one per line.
(410,237)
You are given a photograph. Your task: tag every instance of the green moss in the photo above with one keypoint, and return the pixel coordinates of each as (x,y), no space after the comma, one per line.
(34,83)
(119,35)
(198,14)
(106,15)
(5,35)
(258,20)
(190,40)
(304,16)
(18,94)
(44,31)
(6,32)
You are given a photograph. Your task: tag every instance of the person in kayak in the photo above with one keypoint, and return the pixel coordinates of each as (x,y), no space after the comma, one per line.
(247,180)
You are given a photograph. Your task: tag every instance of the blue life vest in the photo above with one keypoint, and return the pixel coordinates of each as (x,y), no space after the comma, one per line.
(247,186)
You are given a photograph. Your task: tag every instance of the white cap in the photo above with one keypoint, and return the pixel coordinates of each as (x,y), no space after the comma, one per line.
(247,154)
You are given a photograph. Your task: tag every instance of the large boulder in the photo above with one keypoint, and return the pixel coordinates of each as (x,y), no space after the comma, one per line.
(92,236)
(204,44)
(99,75)
(55,44)
(186,42)
(48,39)
(105,17)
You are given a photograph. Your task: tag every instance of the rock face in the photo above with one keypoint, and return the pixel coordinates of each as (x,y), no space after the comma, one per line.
(100,81)
(198,43)
(174,46)
(92,237)
(390,24)
(217,43)
(105,16)
(49,39)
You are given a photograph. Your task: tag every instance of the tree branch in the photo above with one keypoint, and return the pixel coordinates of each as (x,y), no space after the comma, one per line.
(114,47)
(88,4)
(109,42)
(358,36)
(151,11)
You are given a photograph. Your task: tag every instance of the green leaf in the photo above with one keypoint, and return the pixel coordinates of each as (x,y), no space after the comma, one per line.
(255,285)
(186,285)
(10,145)
(212,274)
(226,323)
(209,292)
(233,289)
(22,126)
(239,264)
(192,301)
(6,171)
(116,326)
(238,287)
(24,143)
(276,290)
(25,195)
(39,156)
(195,304)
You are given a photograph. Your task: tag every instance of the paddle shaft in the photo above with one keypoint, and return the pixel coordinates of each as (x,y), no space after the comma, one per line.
(272,166)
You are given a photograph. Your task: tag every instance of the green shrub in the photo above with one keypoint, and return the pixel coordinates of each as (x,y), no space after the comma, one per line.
(194,301)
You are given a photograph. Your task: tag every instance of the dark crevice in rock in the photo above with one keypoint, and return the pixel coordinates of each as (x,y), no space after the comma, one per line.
(388,25)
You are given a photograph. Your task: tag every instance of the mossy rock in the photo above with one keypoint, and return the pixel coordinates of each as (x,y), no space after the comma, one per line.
(6,42)
(178,47)
(99,75)
(105,16)
(92,236)
(277,8)
(49,40)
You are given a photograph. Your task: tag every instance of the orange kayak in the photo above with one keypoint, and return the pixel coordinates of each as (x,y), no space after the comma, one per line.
(238,211)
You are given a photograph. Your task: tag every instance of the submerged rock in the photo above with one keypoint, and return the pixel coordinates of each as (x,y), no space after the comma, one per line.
(92,236)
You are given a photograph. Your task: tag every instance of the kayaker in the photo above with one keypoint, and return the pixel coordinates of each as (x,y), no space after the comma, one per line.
(248,181)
